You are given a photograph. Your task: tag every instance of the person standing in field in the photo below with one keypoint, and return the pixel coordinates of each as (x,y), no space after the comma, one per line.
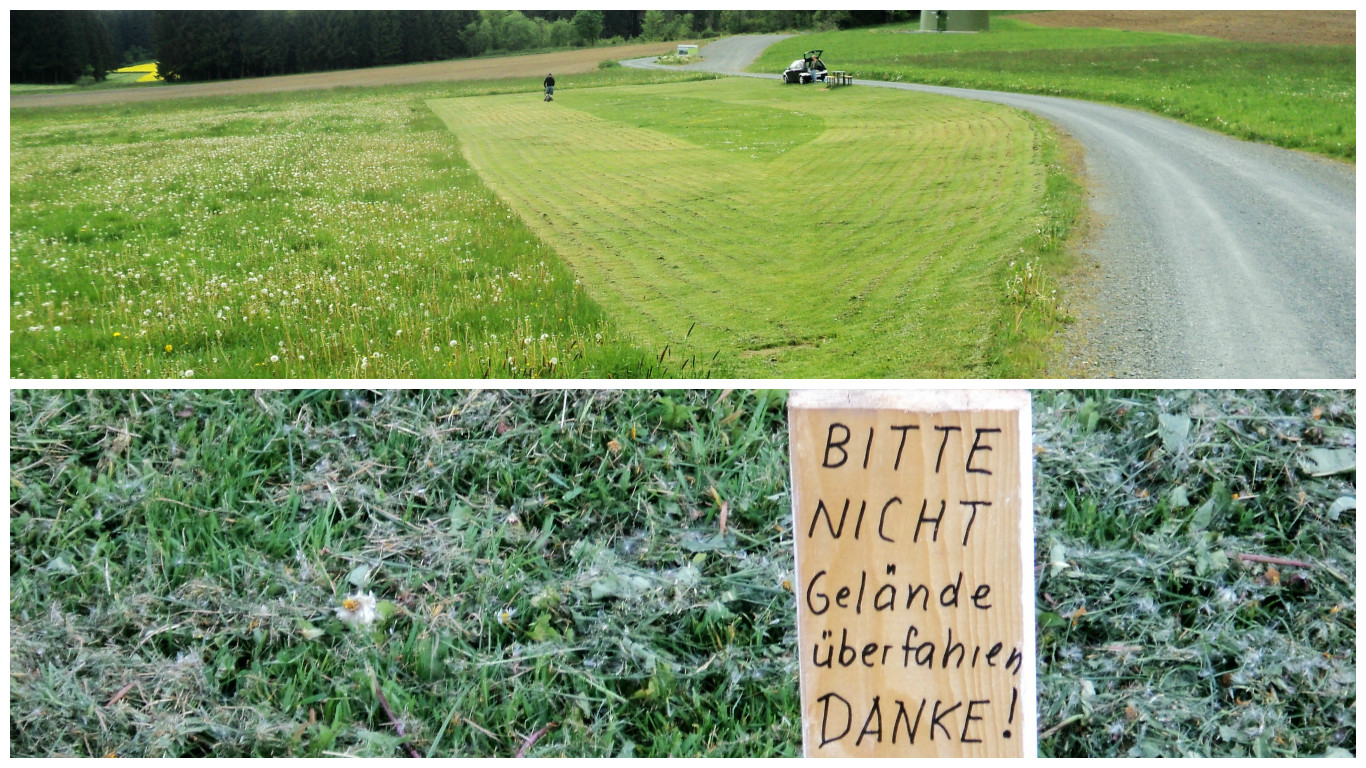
(549,87)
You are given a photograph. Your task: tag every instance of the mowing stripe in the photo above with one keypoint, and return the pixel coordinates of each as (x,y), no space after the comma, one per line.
(843,233)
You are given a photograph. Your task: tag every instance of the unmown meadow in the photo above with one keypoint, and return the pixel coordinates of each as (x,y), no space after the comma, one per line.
(618,564)
(331,234)
(1295,96)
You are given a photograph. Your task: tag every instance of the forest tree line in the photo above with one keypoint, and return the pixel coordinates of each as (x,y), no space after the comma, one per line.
(64,46)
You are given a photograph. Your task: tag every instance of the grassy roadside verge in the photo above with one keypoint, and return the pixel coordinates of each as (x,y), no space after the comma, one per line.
(1027,333)
(1295,96)
(311,234)
(177,558)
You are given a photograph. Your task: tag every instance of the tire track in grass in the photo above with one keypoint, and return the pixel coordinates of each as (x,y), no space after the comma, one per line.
(840,253)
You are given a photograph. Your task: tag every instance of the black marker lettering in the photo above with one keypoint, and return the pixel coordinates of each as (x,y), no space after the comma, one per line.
(944,442)
(825,717)
(977,446)
(882,518)
(903,429)
(876,711)
(968,719)
(838,446)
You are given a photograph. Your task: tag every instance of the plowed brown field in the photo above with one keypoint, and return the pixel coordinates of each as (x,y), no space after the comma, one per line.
(1303,27)
(533,65)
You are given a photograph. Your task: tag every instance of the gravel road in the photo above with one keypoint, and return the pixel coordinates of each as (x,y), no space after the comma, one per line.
(1209,257)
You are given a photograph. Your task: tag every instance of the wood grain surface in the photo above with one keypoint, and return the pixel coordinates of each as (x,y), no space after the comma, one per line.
(911,581)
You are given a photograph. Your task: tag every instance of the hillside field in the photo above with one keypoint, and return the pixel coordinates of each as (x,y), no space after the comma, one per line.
(1297,95)
(327,234)
(313,234)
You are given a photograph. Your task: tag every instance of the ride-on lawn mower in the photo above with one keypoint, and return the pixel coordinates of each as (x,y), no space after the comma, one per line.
(808,69)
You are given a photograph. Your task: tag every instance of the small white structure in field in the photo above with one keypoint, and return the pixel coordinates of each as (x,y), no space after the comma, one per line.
(687,50)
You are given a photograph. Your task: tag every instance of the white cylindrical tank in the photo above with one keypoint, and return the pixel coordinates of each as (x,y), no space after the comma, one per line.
(955,21)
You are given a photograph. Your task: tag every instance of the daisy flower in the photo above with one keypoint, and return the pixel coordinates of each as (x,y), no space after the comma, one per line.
(358,610)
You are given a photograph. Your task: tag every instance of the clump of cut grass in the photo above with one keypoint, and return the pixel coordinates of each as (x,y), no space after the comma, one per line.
(1196,563)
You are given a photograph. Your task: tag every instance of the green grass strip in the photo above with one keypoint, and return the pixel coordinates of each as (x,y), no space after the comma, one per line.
(777,231)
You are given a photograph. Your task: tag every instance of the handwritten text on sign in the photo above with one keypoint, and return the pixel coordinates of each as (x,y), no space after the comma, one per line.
(907,526)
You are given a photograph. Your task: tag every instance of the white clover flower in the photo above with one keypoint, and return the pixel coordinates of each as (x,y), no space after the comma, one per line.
(357,610)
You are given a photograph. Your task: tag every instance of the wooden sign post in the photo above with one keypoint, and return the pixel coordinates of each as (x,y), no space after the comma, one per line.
(913,527)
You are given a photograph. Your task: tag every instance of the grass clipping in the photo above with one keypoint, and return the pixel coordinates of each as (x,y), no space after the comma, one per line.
(608,573)
(1196,555)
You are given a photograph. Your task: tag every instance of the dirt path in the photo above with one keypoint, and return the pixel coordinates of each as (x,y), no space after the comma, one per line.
(533,65)
(1212,257)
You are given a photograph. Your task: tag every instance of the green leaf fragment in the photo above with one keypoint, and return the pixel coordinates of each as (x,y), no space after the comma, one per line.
(1174,429)
(1322,462)
(359,576)
(308,631)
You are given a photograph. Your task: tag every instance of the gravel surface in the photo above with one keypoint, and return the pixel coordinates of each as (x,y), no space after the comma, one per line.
(1209,257)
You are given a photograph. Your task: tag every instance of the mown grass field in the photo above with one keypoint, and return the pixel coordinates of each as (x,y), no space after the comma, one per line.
(309,234)
(618,563)
(1296,96)
(342,234)
(787,232)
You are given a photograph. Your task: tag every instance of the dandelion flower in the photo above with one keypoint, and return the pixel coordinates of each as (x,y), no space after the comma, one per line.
(189,374)
(357,610)
(168,347)
(117,334)
(275,358)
